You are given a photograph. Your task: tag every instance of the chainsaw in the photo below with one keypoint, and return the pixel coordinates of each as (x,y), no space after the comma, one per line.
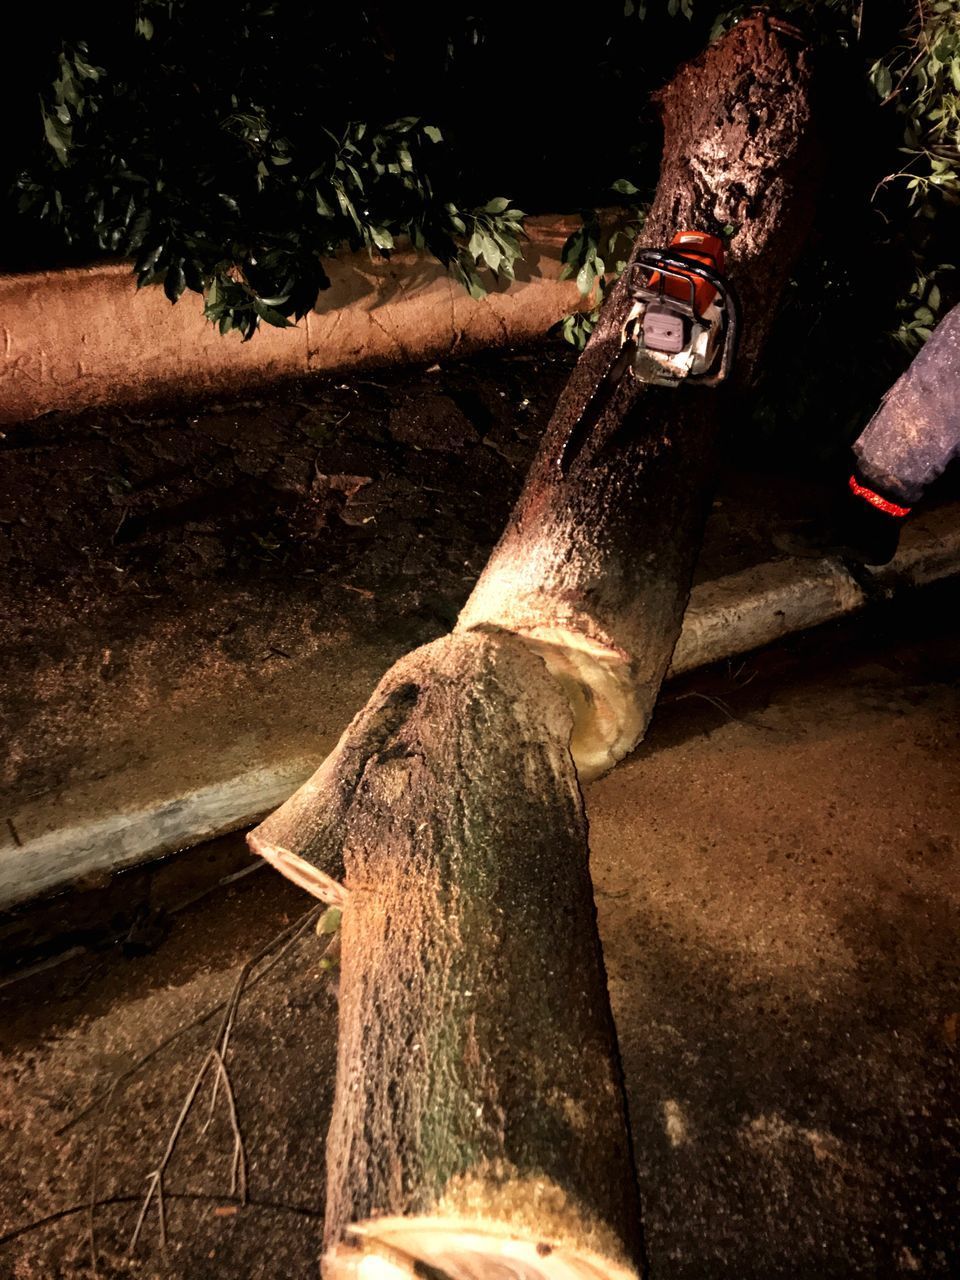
(684,316)
(682,326)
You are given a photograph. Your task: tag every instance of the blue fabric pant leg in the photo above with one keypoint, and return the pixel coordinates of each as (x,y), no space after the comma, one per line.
(916,431)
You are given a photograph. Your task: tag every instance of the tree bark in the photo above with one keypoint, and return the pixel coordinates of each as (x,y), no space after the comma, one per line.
(479,1118)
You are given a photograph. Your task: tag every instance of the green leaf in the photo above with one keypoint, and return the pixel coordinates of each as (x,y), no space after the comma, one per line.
(270,315)
(329,922)
(433,133)
(882,79)
(54,135)
(146,265)
(174,282)
(497,206)
(624,187)
(491,251)
(585,278)
(573,249)
(476,288)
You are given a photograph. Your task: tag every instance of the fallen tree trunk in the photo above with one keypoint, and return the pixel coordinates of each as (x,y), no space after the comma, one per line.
(479,1118)
(915,433)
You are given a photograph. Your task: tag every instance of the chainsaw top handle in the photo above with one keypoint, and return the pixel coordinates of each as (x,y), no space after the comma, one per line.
(664,263)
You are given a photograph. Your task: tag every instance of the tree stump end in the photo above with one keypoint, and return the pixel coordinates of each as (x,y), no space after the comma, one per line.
(457,1248)
(299,870)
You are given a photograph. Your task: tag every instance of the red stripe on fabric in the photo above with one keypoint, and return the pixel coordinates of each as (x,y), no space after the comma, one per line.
(875,500)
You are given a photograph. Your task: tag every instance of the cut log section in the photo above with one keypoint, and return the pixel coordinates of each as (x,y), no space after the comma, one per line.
(477,1076)
(479,1125)
(478,1095)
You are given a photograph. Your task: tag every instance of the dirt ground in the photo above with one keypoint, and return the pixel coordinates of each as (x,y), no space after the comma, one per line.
(145,558)
(776,876)
(219,554)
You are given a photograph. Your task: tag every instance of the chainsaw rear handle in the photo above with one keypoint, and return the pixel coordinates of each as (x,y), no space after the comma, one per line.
(665,263)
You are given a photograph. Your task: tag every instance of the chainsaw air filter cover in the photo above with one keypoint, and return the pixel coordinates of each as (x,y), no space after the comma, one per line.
(663,329)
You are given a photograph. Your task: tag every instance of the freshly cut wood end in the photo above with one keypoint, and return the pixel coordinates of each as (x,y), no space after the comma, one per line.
(297,869)
(610,710)
(608,719)
(442,1248)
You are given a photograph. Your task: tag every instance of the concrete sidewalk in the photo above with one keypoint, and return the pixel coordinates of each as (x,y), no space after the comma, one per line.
(162,691)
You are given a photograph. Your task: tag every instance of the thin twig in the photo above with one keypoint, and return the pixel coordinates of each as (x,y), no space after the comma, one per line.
(903,80)
(222,883)
(722,706)
(155,1177)
(161,1213)
(708,697)
(224,1031)
(924,48)
(94,1177)
(284,941)
(52,962)
(216,1057)
(238,1175)
(37,1224)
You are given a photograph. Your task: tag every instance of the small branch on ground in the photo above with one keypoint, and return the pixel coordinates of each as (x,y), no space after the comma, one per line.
(285,941)
(216,1058)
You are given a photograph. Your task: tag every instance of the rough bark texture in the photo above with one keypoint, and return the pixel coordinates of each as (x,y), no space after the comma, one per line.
(595,565)
(479,1120)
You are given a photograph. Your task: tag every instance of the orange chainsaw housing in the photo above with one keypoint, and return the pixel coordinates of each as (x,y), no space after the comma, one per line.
(700,247)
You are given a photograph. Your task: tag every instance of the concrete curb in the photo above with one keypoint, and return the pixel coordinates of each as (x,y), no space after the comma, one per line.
(83,337)
(727,617)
